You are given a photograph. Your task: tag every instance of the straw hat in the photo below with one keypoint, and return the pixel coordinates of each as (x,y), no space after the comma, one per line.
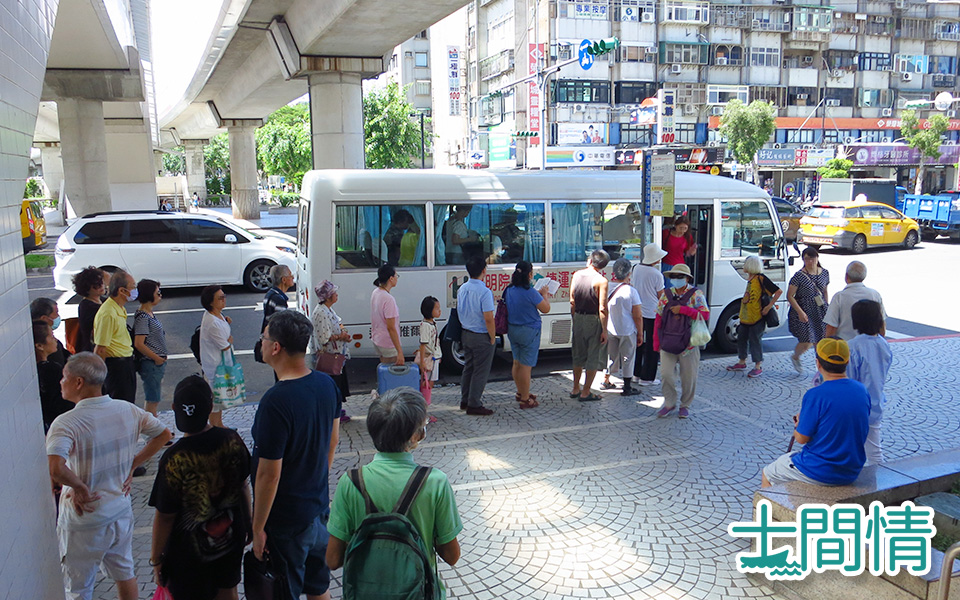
(678,270)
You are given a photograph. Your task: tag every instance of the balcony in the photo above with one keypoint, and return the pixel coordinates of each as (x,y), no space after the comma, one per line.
(496,65)
(806,40)
(773,25)
(948,30)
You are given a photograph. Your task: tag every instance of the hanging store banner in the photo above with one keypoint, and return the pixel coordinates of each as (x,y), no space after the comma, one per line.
(893,155)
(534,54)
(571,134)
(453,78)
(813,157)
(665,129)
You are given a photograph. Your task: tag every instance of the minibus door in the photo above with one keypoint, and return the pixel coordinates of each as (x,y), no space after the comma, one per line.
(701,226)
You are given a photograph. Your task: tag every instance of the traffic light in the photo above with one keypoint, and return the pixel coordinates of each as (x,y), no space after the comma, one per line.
(603,46)
(525,134)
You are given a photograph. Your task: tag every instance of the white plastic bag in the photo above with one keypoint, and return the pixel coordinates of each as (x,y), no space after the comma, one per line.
(699,333)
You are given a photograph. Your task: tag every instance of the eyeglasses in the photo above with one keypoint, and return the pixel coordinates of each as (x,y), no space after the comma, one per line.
(264,338)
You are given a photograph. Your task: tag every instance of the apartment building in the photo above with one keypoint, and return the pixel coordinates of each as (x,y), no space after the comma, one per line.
(839,73)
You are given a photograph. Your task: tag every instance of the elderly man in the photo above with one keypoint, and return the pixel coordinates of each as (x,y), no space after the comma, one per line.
(397,422)
(838,320)
(45,310)
(91,451)
(281,280)
(588,305)
(295,434)
(112,341)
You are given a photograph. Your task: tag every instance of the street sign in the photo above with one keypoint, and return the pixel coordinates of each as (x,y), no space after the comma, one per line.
(586,59)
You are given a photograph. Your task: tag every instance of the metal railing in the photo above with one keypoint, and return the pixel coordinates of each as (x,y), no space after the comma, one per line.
(946,570)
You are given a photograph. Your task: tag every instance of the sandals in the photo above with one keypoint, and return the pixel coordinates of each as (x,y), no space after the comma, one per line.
(531,396)
(529,403)
(590,398)
(608,386)
(574,395)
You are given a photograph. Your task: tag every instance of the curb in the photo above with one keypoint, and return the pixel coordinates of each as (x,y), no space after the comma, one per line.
(40,270)
(925,337)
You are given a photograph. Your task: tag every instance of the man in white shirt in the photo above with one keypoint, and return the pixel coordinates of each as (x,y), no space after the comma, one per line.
(648,280)
(838,319)
(91,451)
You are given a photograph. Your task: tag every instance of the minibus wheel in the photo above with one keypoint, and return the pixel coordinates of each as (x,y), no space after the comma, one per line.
(725,335)
(453,359)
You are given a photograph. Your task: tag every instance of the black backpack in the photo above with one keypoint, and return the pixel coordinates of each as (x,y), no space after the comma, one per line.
(195,343)
(137,355)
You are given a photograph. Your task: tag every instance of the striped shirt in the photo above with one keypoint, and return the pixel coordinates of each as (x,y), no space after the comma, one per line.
(98,439)
(149,325)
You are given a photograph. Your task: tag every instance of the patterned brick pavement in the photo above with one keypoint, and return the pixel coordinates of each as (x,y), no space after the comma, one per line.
(603,500)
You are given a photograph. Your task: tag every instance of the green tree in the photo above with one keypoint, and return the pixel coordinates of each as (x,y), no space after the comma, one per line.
(174,162)
(747,128)
(216,160)
(283,143)
(925,139)
(33,188)
(391,136)
(836,168)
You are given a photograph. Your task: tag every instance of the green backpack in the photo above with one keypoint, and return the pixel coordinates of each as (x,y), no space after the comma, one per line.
(386,558)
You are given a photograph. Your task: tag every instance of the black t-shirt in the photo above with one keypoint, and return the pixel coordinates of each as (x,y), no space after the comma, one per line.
(86,311)
(201,480)
(52,404)
(294,422)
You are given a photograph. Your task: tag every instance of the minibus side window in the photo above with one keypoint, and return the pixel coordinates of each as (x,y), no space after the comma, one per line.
(373,235)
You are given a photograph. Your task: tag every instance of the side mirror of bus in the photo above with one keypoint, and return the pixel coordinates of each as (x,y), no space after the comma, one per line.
(790,260)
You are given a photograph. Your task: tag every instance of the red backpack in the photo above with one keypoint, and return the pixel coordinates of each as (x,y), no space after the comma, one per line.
(675,329)
(500,317)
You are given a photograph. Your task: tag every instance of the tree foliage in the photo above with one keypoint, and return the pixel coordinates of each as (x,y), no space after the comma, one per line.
(925,139)
(836,168)
(391,136)
(174,162)
(283,143)
(216,161)
(747,128)
(33,189)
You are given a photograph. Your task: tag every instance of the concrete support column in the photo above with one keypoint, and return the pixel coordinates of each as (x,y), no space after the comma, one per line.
(196,169)
(336,120)
(84,155)
(52,167)
(243,171)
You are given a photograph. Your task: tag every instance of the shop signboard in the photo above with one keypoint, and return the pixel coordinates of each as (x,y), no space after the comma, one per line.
(776,157)
(571,134)
(580,156)
(894,155)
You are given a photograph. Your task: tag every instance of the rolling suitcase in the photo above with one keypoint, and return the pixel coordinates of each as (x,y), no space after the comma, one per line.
(392,376)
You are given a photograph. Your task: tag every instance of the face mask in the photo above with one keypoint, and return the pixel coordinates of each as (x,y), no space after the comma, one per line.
(678,283)
(134,294)
(56,323)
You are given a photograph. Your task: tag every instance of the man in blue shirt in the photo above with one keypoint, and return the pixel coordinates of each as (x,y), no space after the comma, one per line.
(475,309)
(832,425)
(295,434)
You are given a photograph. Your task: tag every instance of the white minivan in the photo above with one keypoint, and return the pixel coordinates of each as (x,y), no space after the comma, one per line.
(177,249)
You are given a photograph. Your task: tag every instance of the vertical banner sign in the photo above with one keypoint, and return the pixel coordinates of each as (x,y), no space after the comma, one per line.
(535,51)
(453,76)
(665,129)
(662,184)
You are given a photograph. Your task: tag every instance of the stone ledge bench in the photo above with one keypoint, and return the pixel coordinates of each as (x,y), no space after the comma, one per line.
(890,483)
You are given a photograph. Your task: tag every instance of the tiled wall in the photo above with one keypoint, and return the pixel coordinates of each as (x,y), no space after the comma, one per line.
(29,565)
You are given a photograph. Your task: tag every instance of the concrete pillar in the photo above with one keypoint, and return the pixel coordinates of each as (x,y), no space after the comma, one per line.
(336,120)
(196,169)
(52,167)
(158,163)
(84,155)
(243,171)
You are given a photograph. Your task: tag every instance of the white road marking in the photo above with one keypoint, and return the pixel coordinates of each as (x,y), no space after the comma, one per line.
(190,355)
(256,308)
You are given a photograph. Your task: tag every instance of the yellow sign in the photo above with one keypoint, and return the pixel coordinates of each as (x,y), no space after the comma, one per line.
(714,170)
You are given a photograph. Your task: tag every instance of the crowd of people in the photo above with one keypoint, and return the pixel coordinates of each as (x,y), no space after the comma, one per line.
(644,319)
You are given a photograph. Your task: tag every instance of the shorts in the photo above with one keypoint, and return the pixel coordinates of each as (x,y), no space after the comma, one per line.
(190,579)
(151,375)
(217,407)
(382,352)
(587,351)
(300,553)
(782,471)
(525,344)
(82,551)
(434,373)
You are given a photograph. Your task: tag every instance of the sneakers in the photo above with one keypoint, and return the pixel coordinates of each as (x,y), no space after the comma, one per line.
(737,367)
(666,410)
(480,411)
(629,391)
(755,373)
(684,413)
(654,382)
(797,365)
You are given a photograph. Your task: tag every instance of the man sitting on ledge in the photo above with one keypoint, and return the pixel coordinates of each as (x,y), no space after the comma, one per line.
(832,425)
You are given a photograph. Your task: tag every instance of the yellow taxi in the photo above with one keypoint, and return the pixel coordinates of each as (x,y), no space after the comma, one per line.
(857,226)
(33,227)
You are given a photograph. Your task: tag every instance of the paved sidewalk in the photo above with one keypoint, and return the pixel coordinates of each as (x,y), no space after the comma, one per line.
(603,500)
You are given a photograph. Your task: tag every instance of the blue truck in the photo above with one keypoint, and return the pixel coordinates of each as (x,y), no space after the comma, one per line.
(936,214)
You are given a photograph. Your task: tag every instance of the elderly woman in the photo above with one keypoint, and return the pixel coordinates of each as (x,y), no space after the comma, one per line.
(753,313)
(49,374)
(524,305)
(216,340)
(808,299)
(397,422)
(330,336)
(624,328)
(89,284)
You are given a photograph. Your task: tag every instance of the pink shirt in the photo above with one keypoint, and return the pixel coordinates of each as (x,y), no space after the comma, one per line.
(383,306)
(675,247)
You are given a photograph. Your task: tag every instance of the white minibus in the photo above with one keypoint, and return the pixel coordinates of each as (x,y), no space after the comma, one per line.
(353,221)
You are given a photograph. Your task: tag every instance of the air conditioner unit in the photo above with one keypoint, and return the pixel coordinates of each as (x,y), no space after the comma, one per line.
(907,76)
(776,146)
(676,69)
(886,112)
(807,60)
(848,140)
(899,3)
(951,114)
(721,60)
(578,108)
(689,109)
(879,19)
(802,96)
(832,102)
(716,111)
(837,73)
(713,144)
(755,24)
(809,146)
(647,17)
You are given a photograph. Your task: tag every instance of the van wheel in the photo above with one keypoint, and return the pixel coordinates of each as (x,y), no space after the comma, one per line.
(859,245)
(725,335)
(453,359)
(928,236)
(257,276)
(911,240)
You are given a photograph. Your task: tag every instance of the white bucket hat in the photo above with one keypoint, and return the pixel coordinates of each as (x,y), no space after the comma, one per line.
(652,254)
